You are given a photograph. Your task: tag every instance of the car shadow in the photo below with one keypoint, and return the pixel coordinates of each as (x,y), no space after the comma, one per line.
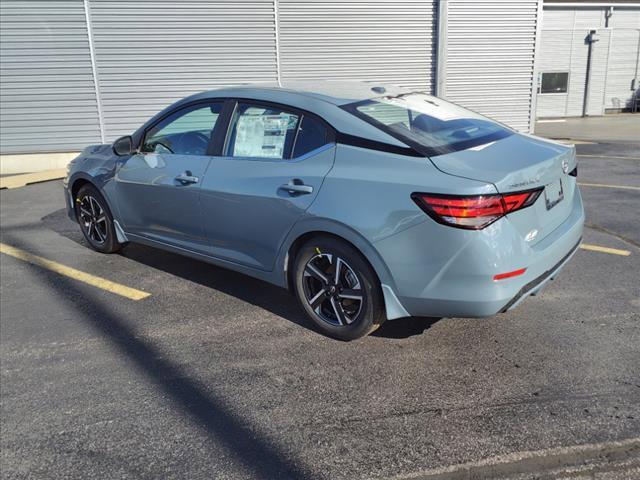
(405,327)
(248,289)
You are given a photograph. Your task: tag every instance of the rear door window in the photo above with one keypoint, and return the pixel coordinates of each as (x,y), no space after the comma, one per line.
(262,132)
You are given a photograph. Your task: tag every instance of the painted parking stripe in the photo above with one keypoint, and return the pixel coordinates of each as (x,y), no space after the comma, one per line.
(15,181)
(99,282)
(603,185)
(598,248)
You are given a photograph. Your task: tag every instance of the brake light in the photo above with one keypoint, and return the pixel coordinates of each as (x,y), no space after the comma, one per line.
(473,212)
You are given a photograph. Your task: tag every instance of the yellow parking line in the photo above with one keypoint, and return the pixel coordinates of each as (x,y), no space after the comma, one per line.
(15,181)
(103,283)
(597,248)
(602,185)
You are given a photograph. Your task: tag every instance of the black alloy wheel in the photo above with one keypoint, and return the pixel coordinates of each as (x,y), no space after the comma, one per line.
(338,289)
(95,220)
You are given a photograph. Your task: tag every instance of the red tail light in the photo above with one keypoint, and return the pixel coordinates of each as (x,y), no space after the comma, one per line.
(473,212)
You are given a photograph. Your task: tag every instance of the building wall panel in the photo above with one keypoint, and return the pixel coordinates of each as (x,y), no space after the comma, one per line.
(383,41)
(150,53)
(47,94)
(490,52)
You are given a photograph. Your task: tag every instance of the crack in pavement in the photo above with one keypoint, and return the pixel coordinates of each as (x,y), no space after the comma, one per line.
(622,455)
(600,229)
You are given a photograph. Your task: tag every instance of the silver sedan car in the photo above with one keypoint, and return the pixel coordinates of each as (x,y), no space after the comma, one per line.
(369,203)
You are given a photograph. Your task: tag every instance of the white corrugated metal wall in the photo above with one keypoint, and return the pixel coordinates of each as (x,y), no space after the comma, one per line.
(47,94)
(389,41)
(148,53)
(613,65)
(151,53)
(489,57)
(623,65)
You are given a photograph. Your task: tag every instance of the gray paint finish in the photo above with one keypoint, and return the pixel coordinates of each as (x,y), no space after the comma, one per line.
(238,216)
(47,95)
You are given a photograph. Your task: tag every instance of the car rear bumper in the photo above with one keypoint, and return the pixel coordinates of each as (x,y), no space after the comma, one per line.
(448,272)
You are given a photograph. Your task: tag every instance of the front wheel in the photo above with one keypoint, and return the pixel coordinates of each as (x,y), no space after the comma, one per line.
(338,289)
(95,220)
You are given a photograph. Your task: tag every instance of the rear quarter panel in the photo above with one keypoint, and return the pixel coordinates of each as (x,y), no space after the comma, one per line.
(369,192)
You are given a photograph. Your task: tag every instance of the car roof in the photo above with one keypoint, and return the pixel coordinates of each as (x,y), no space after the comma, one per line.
(337,92)
(323,98)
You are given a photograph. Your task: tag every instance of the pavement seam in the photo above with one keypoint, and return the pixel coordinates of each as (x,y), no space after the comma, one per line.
(606,156)
(532,461)
(622,238)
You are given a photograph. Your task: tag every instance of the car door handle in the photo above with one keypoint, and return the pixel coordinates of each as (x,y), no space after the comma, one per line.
(187,178)
(297,187)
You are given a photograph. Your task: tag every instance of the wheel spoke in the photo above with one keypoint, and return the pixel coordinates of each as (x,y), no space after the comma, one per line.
(338,269)
(351,294)
(317,300)
(338,310)
(92,206)
(91,232)
(101,219)
(98,233)
(314,272)
(85,211)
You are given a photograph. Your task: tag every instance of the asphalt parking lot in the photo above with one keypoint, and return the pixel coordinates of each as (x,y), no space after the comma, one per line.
(217,375)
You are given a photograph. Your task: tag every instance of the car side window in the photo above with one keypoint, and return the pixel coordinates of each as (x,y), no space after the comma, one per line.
(312,134)
(261,132)
(185,132)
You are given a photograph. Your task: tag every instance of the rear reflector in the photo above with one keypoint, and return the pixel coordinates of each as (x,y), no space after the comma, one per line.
(473,212)
(515,273)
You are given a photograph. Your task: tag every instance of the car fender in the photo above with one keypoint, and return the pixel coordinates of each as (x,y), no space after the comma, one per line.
(101,178)
(313,224)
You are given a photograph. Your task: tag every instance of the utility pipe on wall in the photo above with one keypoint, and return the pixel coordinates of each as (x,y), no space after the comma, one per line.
(590,40)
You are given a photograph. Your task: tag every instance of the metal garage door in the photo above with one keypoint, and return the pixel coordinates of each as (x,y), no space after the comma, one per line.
(150,53)
(47,95)
(489,58)
(373,40)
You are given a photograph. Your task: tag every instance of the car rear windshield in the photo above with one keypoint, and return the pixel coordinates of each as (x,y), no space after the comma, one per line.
(428,124)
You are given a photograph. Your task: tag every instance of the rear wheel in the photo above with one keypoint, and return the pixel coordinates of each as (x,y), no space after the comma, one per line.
(95,220)
(338,289)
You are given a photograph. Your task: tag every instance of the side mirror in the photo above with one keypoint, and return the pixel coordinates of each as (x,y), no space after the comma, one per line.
(123,146)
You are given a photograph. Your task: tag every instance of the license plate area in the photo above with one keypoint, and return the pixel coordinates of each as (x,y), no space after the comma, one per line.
(553,194)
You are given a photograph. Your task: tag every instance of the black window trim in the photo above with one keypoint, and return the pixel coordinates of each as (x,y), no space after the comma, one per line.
(420,149)
(218,139)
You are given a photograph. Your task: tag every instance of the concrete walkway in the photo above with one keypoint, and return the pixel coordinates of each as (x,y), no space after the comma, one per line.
(624,127)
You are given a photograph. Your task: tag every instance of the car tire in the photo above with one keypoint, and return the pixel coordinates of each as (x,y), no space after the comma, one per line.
(345,307)
(95,220)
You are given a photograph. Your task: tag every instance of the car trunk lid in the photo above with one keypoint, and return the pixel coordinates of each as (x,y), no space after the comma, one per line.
(522,162)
